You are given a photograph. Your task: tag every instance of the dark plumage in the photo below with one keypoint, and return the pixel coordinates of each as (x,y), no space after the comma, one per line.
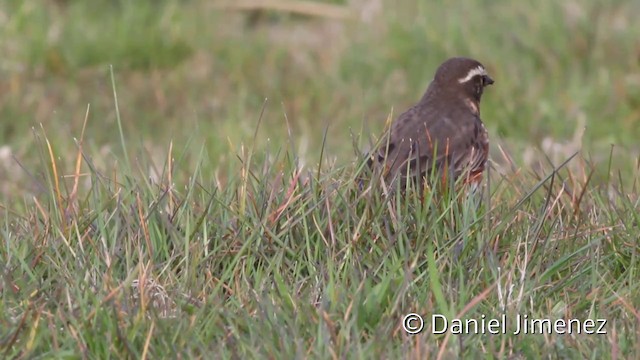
(443,131)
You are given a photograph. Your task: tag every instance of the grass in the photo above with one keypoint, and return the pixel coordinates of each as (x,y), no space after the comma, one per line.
(197,219)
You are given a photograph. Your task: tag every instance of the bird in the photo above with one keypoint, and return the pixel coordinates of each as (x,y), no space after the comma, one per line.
(442,133)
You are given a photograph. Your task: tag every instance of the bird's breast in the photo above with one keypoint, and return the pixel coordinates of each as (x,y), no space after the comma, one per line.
(473,107)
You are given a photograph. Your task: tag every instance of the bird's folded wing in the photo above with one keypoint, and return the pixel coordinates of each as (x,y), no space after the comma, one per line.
(416,147)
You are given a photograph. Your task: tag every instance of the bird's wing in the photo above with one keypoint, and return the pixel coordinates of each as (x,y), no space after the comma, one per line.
(422,141)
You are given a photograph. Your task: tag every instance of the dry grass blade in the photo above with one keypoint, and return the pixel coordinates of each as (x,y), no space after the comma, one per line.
(309,8)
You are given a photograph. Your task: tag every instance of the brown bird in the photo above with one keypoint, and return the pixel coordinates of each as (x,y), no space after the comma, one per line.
(442,134)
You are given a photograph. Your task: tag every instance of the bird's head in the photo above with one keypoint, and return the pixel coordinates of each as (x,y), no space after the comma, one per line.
(463,77)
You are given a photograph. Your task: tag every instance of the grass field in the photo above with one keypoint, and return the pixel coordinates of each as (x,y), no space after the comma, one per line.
(178,179)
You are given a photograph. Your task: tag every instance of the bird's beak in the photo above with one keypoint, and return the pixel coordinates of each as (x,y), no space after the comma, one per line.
(488,80)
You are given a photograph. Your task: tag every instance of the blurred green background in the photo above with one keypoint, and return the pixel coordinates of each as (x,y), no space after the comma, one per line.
(193,71)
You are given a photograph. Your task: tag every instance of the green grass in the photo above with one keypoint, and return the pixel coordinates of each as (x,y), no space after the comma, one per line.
(197,219)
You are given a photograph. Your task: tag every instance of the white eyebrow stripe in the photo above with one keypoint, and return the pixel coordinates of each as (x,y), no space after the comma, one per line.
(473,72)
